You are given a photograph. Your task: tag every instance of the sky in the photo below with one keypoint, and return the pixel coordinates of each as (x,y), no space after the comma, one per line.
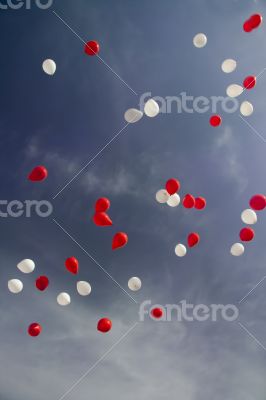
(63,122)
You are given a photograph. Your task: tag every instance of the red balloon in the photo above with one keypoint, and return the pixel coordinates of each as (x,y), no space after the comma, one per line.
(92,48)
(193,239)
(189,201)
(249,82)
(258,202)
(255,20)
(104,325)
(247,26)
(72,265)
(215,120)
(102,219)
(38,174)
(120,239)
(200,203)
(172,186)
(34,329)
(246,234)
(157,313)
(102,204)
(42,283)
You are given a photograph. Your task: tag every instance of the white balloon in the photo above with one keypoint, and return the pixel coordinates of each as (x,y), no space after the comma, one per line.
(26,266)
(151,108)
(133,115)
(228,65)
(15,286)
(234,90)
(200,40)
(180,250)
(134,284)
(162,196)
(174,200)
(49,67)
(246,108)
(63,299)
(83,288)
(237,249)
(249,217)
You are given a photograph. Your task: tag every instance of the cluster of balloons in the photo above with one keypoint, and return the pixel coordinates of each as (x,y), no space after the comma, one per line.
(101,218)
(38,174)
(151,109)
(27,266)
(83,287)
(193,240)
(249,217)
(170,196)
(252,23)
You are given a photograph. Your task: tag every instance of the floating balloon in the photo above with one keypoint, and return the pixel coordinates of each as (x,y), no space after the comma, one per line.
(49,67)
(246,234)
(133,115)
(200,40)
(26,266)
(249,217)
(249,82)
(258,202)
(134,284)
(38,174)
(246,108)
(237,249)
(15,286)
(102,219)
(200,203)
(42,283)
(228,65)
(102,204)
(120,239)
(174,200)
(72,265)
(83,288)
(180,250)
(92,48)
(234,90)
(247,26)
(255,21)
(157,313)
(162,196)
(193,239)
(151,108)
(188,201)
(34,329)
(172,186)
(215,120)
(63,299)
(104,325)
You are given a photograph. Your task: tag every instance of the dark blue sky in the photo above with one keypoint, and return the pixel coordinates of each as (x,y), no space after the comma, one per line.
(62,122)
